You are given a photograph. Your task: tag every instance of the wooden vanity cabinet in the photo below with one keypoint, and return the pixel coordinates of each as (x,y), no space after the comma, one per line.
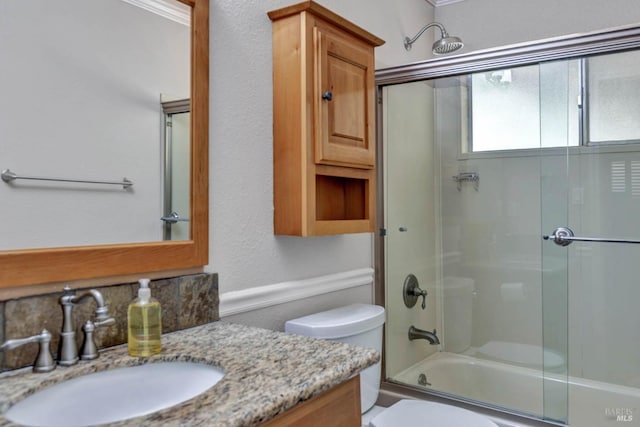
(324,144)
(337,407)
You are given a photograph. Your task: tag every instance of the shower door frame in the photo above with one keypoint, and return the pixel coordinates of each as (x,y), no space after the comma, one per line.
(599,42)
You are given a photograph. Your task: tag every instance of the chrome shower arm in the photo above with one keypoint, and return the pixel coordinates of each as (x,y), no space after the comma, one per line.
(408,42)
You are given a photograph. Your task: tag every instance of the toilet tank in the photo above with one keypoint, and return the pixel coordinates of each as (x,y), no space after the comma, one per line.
(357,324)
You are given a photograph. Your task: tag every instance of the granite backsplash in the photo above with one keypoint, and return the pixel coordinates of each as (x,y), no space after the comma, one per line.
(186,301)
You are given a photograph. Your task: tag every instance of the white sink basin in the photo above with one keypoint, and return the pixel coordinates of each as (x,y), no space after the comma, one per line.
(115,395)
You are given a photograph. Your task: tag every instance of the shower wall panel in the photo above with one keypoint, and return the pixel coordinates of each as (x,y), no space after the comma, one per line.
(494,233)
(490,234)
(493,236)
(603,278)
(409,205)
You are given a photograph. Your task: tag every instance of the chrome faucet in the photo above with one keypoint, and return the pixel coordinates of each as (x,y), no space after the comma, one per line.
(68,346)
(419,334)
(44,361)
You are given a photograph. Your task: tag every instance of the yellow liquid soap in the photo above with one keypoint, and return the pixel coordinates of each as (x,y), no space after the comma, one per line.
(145,328)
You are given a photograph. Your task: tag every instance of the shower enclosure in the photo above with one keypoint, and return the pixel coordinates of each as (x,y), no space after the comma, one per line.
(177,157)
(511,192)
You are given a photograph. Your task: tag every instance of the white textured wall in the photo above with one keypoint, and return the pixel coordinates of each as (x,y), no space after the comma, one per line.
(484,24)
(243,249)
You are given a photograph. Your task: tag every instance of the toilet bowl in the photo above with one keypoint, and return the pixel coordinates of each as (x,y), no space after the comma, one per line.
(361,324)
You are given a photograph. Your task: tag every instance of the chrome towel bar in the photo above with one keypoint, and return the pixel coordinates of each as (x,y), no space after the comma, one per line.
(8,176)
(563,236)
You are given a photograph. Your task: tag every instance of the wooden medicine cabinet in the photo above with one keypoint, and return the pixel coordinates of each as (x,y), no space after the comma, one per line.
(323,123)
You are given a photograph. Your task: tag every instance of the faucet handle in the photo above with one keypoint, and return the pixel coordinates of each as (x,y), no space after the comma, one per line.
(421,293)
(89,348)
(44,361)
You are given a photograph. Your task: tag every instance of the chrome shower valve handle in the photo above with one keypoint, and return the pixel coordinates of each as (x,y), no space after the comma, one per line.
(421,293)
(411,291)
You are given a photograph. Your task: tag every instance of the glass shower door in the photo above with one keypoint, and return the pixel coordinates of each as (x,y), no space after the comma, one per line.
(524,124)
(545,327)
(559,88)
(591,206)
(469,163)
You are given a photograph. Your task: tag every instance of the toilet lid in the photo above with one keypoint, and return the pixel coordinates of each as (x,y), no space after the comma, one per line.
(418,413)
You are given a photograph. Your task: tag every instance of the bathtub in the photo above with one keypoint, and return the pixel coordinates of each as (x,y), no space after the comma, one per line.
(520,389)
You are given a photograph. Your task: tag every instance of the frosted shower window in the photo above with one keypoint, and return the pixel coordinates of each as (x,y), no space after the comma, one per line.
(614,98)
(506,106)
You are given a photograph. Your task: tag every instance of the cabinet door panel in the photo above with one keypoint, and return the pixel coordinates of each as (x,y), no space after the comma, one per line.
(344,94)
(348,111)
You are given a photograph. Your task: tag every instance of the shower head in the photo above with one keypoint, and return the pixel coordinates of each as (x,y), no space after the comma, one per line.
(446,43)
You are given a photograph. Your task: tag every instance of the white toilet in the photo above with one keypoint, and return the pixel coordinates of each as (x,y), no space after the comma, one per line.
(361,325)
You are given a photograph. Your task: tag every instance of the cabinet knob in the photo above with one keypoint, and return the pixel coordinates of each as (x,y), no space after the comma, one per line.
(327,95)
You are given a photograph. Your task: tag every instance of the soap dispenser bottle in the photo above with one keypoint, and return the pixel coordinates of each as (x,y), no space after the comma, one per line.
(144,320)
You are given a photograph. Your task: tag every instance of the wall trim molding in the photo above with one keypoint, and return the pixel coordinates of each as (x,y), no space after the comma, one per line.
(436,3)
(236,302)
(172,10)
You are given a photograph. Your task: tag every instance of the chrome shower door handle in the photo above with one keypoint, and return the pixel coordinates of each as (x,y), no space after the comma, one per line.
(563,236)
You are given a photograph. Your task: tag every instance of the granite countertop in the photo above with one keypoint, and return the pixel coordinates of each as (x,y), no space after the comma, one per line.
(266,373)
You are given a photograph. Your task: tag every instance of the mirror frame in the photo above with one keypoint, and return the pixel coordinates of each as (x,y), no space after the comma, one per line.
(49,265)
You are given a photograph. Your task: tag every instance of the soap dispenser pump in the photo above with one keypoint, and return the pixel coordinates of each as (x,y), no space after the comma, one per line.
(144,320)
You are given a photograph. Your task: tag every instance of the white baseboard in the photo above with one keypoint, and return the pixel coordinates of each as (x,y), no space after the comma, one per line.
(236,302)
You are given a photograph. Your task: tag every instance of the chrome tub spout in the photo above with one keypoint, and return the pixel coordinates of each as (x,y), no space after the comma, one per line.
(419,334)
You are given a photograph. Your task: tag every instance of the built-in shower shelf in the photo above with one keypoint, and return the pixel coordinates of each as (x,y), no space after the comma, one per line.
(467,177)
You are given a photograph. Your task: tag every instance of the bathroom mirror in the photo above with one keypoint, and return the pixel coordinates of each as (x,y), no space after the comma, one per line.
(94,114)
(55,263)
